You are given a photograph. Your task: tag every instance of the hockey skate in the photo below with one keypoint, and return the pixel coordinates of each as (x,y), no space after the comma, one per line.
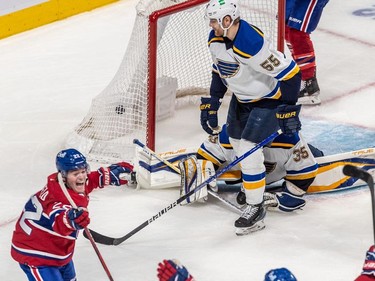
(309,93)
(251,220)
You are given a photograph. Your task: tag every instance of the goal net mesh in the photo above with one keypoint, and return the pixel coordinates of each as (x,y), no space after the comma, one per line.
(120,113)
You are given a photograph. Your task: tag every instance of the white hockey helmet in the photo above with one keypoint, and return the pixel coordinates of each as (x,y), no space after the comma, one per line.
(218,9)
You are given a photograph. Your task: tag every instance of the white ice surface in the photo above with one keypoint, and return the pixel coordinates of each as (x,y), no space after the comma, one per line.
(48,77)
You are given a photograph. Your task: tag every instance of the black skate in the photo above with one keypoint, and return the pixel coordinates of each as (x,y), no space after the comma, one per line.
(251,220)
(309,93)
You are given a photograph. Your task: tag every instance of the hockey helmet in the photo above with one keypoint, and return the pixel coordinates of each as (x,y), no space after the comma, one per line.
(279,274)
(70,159)
(218,9)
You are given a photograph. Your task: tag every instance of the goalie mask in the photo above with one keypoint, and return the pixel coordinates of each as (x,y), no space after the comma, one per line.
(219,9)
(69,160)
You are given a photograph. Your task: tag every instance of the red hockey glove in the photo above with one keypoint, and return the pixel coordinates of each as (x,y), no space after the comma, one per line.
(368,271)
(172,270)
(111,174)
(78,218)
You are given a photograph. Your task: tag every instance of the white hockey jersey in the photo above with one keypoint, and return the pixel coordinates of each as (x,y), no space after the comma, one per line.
(286,157)
(249,66)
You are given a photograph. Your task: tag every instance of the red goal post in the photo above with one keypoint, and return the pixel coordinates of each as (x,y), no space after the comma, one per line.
(173,34)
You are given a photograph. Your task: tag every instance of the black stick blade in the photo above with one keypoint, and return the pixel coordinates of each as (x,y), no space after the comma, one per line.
(355,172)
(99,238)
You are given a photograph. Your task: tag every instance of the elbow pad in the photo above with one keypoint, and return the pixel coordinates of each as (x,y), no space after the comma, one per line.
(290,89)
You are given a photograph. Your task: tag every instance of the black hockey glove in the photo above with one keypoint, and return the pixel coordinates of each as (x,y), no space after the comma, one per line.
(209,120)
(288,118)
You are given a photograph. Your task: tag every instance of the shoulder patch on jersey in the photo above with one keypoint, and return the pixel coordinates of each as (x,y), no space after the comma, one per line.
(248,41)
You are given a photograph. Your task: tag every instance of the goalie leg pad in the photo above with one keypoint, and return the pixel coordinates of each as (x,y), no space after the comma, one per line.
(283,201)
(191,177)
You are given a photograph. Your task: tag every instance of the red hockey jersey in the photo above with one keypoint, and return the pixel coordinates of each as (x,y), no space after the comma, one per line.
(42,236)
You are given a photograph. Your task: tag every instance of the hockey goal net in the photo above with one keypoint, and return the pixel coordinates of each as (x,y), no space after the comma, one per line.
(166,59)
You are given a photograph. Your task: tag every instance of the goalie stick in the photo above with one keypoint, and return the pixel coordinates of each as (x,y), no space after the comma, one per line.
(87,233)
(102,239)
(355,172)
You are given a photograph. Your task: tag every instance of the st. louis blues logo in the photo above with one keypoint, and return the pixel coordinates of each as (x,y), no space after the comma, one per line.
(227,69)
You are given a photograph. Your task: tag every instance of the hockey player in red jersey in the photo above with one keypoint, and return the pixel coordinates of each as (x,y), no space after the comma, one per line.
(44,237)
(302,18)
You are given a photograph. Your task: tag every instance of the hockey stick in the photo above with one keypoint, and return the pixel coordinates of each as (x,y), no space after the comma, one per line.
(355,172)
(177,170)
(102,239)
(86,230)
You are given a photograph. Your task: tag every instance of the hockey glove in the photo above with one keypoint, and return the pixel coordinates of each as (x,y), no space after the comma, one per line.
(369,265)
(172,270)
(78,218)
(111,174)
(209,120)
(288,118)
